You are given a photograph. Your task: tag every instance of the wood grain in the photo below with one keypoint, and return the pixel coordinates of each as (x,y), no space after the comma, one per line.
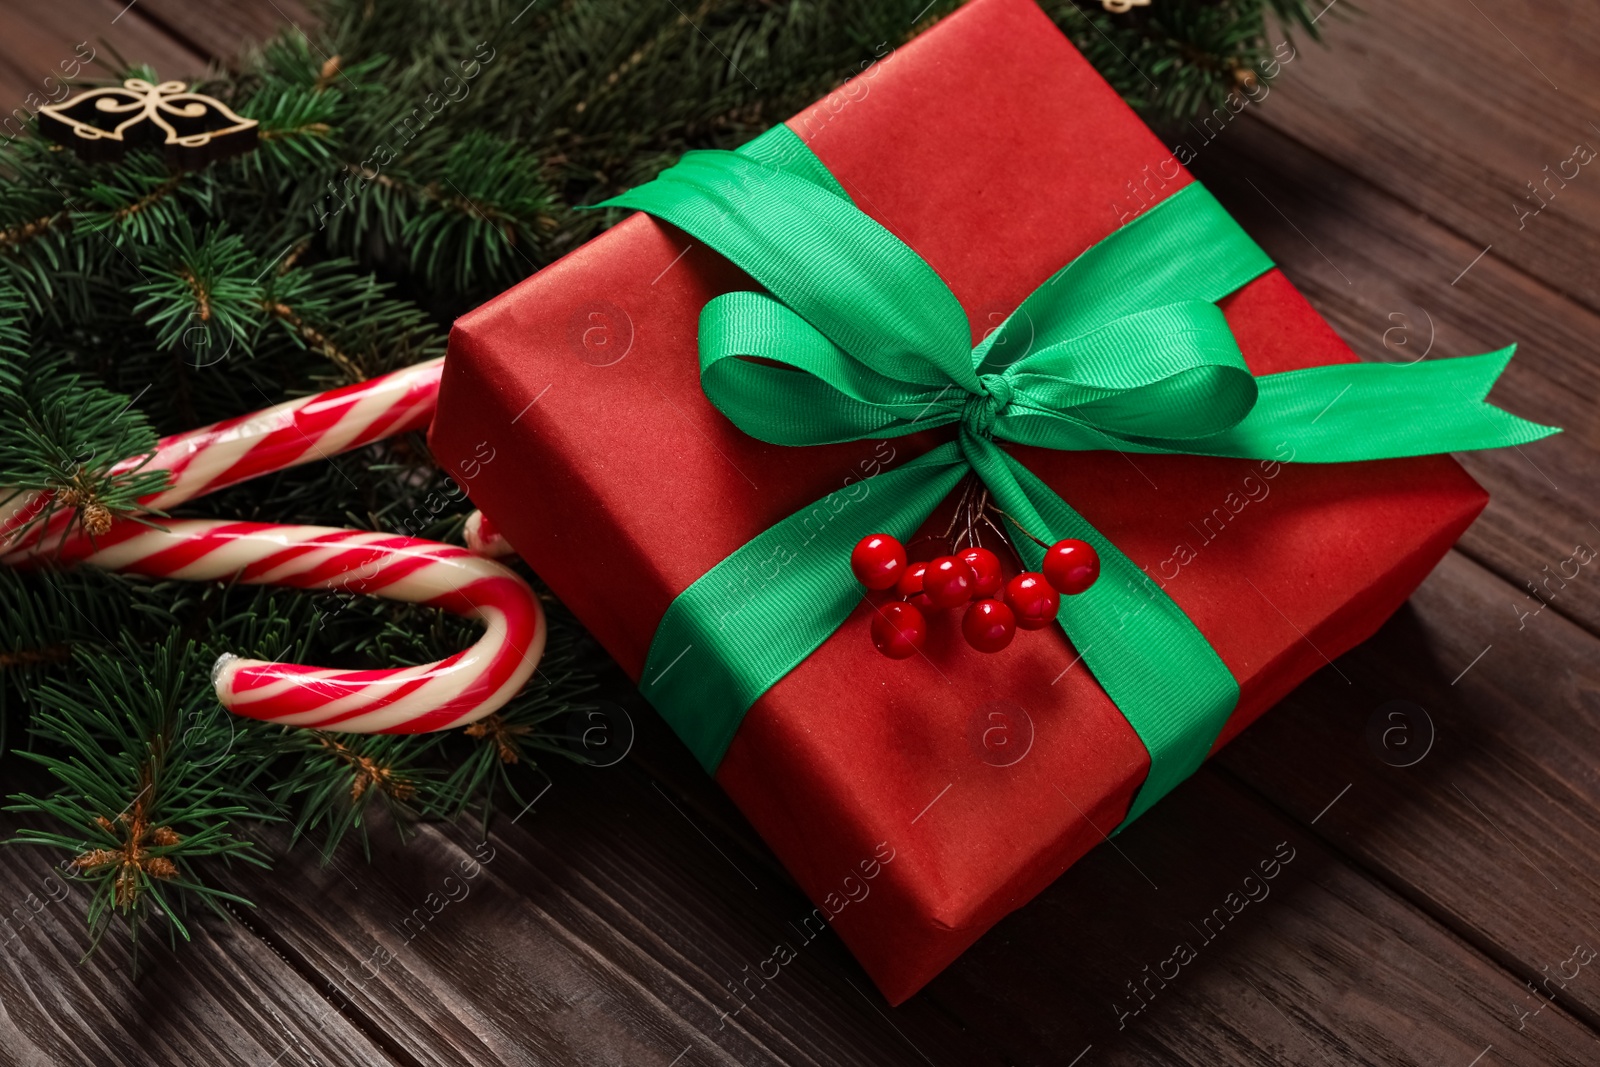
(220,30)
(35,45)
(1381,274)
(1496,832)
(1340,968)
(1452,108)
(604,927)
(1324,967)
(225,998)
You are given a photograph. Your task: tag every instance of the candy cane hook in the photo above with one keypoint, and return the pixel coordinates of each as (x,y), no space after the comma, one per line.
(432,696)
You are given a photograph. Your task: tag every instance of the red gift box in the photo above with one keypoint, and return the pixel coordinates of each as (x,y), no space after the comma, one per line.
(919,801)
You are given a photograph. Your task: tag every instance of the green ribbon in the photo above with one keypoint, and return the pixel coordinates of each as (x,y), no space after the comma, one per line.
(857,337)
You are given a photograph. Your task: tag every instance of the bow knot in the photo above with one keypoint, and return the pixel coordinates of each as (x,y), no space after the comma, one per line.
(983,408)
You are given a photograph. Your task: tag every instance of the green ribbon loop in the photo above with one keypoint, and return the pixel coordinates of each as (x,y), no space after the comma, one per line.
(857,337)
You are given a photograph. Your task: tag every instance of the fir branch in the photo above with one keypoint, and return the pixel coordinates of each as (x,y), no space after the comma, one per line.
(60,438)
(334,780)
(46,615)
(491,216)
(32,657)
(317,340)
(1176,60)
(200,281)
(27,231)
(138,803)
(135,202)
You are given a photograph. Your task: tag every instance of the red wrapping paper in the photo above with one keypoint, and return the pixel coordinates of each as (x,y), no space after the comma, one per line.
(991,147)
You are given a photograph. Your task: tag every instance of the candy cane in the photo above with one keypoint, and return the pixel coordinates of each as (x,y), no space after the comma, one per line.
(484,538)
(274,439)
(433,696)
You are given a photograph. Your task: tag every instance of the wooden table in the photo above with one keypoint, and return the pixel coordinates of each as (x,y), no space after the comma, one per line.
(1441,913)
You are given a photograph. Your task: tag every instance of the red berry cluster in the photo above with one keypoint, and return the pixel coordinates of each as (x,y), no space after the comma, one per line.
(996,608)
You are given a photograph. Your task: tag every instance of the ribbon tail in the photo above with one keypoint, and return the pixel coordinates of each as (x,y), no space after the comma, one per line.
(1150,659)
(752,618)
(1347,412)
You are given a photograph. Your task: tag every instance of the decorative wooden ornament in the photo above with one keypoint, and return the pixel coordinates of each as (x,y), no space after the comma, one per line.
(103,124)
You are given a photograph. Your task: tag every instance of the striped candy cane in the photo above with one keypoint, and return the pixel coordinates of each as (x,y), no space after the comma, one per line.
(484,538)
(276,438)
(433,696)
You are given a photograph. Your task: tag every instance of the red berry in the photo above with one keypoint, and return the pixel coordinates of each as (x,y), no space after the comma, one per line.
(910,585)
(898,630)
(910,581)
(988,625)
(1033,600)
(985,565)
(1071,566)
(878,561)
(947,582)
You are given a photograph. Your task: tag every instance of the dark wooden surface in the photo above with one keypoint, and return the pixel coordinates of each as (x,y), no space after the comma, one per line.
(1422,905)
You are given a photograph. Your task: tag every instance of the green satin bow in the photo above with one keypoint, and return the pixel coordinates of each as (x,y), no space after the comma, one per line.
(857,337)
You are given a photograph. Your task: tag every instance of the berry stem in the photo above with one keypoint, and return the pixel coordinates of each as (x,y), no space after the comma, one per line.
(967,484)
(1012,519)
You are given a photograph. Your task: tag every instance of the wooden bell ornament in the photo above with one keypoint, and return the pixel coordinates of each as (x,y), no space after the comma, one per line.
(192,129)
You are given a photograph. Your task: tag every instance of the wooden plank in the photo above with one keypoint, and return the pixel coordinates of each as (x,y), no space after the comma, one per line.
(1040,985)
(1323,966)
(603,926)
(1382,275)
(225,998)
(1496,828)
(1515,719)
(67,31)
(622,908)
(220,31)
(1453,108)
